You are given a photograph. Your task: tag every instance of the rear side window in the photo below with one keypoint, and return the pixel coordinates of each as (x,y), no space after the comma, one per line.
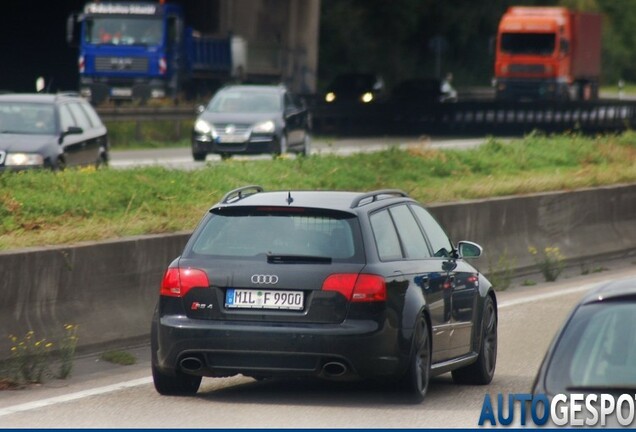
(386,239)
(295,232)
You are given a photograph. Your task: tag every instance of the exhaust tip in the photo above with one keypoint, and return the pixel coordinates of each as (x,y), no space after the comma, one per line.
(334,369)
(191,364)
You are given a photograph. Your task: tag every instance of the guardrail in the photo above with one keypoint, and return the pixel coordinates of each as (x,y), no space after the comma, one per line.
(464,117)
(171,113)
(475,117)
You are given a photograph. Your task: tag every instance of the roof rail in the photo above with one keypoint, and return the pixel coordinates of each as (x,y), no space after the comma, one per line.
(68,94)
(375,196)
(239,193)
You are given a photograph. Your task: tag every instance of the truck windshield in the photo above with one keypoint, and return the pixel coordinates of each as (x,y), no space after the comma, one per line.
(528,43)
(123,31)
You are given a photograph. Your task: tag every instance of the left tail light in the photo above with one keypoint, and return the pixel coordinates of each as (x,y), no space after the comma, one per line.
(81,64)
(177,281)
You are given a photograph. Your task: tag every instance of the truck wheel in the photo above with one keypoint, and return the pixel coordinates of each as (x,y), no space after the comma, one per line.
(417,378)
(199,156)
(482,371)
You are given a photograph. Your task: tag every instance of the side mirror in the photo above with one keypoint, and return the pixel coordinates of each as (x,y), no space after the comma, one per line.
(72,130)
(200,109)
(468,249)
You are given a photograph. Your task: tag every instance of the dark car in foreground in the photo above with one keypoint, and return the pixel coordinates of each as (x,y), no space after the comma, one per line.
(337,285)
(595,350)
(50,131)
(251,119)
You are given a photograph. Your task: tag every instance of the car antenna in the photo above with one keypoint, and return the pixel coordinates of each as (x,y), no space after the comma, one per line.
(289,198)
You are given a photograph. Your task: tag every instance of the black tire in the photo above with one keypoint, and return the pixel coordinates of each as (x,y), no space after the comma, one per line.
(418,376)
(179,385)
(483,370)
(199,157)
(102,160)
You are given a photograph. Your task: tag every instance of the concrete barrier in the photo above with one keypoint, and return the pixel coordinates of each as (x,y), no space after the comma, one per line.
(110,288)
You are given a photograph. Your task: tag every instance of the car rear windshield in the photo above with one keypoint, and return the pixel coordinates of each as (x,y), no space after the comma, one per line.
(257,231)
(597,348)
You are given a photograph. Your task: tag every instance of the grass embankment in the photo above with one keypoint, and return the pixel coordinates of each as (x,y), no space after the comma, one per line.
(40,208)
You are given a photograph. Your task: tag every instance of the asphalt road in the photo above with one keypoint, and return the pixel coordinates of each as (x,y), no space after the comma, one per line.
(104,395)
(181,158)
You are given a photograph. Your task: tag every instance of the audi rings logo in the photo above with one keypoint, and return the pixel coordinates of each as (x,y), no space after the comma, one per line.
(264,279)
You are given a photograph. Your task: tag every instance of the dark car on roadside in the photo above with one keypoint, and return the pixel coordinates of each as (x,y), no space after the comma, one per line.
(418,91)
(50,131)
(355,88)
(252,119)
(336,285)
(595,350)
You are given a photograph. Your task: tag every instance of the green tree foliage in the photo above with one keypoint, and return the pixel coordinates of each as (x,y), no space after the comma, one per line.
(395,37)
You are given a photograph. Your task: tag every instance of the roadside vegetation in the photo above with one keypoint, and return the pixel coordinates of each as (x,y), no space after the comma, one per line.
(46,208)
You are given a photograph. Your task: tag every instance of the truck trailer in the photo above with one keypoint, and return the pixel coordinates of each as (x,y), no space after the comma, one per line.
(548,53)
(144,50)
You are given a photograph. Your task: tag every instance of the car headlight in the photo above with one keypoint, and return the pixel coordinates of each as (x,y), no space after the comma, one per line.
(24,159)
(204,128)
(330,97)
(264,127)
(367,97)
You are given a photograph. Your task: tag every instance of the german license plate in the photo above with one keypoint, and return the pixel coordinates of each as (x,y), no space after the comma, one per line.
(229,138)
(264,299)
(121,92)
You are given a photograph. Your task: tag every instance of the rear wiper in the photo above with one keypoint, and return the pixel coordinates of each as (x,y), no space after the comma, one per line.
(298,259)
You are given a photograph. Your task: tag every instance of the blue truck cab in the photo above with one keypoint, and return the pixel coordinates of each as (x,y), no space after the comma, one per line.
(144,50)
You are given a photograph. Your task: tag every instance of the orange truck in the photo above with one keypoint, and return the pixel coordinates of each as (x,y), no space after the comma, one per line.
(548,53)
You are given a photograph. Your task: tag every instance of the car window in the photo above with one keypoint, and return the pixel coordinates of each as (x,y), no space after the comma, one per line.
(252,233)
(66,119)
(597,348)
(386,239)
(415,245)
(91,114)
(438,238)
(289,102)
(80,116)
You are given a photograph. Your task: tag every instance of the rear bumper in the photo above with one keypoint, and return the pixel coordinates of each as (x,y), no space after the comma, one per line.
(363,348)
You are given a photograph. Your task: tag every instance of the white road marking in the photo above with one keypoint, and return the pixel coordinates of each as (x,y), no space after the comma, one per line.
(73,396)
(544,296)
